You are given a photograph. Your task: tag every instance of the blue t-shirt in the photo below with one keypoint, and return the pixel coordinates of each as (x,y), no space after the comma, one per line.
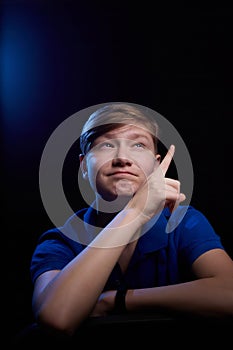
(161,257)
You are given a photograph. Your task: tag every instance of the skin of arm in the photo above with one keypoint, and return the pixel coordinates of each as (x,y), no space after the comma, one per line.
(211,294)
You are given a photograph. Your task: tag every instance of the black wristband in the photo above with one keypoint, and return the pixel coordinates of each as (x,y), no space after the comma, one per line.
(120,307)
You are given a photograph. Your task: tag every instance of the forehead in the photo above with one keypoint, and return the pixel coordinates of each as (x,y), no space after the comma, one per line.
(130,131)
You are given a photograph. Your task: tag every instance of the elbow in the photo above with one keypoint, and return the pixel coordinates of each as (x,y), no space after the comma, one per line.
(56,323)
(231,305)
(226,297)
(229,295)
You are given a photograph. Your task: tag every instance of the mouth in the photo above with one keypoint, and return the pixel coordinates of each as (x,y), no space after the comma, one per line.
(122,174)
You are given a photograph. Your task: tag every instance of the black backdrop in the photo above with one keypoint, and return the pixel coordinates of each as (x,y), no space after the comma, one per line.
(59,57)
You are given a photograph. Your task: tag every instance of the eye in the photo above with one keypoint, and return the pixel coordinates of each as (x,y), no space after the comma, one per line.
(106,145)
(139,145)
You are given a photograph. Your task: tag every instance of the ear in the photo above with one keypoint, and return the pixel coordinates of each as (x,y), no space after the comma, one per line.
(157,161)
(158,157)
(83,166)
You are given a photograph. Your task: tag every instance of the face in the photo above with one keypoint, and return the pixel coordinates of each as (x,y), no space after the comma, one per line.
(120,161)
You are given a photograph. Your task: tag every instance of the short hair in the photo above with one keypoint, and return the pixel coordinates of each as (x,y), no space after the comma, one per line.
(113,116)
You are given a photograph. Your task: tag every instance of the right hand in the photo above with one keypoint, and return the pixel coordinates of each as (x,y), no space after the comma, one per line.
(158,191)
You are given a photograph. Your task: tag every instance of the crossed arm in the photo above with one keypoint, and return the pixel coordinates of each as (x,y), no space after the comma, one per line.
(64,299)
(211,294)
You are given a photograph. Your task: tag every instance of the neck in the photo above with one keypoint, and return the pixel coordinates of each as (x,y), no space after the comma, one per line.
(114,206)
(107,210)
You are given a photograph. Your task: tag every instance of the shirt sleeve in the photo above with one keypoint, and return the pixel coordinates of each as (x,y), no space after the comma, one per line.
(196,235)
(52,252)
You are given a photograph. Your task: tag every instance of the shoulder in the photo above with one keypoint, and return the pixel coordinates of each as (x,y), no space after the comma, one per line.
(194,234)
(55,248)
(187,217)
(190,226)
(65,231)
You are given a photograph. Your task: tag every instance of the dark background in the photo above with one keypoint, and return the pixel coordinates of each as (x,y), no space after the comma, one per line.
(59,57)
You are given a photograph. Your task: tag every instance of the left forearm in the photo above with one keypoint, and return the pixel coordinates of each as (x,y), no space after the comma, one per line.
(201,297)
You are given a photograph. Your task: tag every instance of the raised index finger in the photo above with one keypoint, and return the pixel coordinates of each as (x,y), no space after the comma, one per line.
(164,165)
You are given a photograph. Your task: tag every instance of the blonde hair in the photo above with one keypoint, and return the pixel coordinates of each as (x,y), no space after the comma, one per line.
(113,116)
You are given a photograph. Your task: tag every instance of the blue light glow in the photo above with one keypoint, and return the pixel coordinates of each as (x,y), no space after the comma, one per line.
(21,63)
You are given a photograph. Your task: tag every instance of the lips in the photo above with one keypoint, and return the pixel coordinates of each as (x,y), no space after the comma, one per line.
(122,173)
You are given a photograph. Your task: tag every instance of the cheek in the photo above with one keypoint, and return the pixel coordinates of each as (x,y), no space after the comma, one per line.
(94,168)
(147,164)
(97,161)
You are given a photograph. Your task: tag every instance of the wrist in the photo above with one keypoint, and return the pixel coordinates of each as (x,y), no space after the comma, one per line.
(120,297)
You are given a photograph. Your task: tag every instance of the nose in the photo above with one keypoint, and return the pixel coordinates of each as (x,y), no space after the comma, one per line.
(121,157)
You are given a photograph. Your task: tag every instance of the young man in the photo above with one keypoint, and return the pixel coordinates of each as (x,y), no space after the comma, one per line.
(124,260)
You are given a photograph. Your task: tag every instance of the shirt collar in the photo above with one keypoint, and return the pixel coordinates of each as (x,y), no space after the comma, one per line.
(154,236)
